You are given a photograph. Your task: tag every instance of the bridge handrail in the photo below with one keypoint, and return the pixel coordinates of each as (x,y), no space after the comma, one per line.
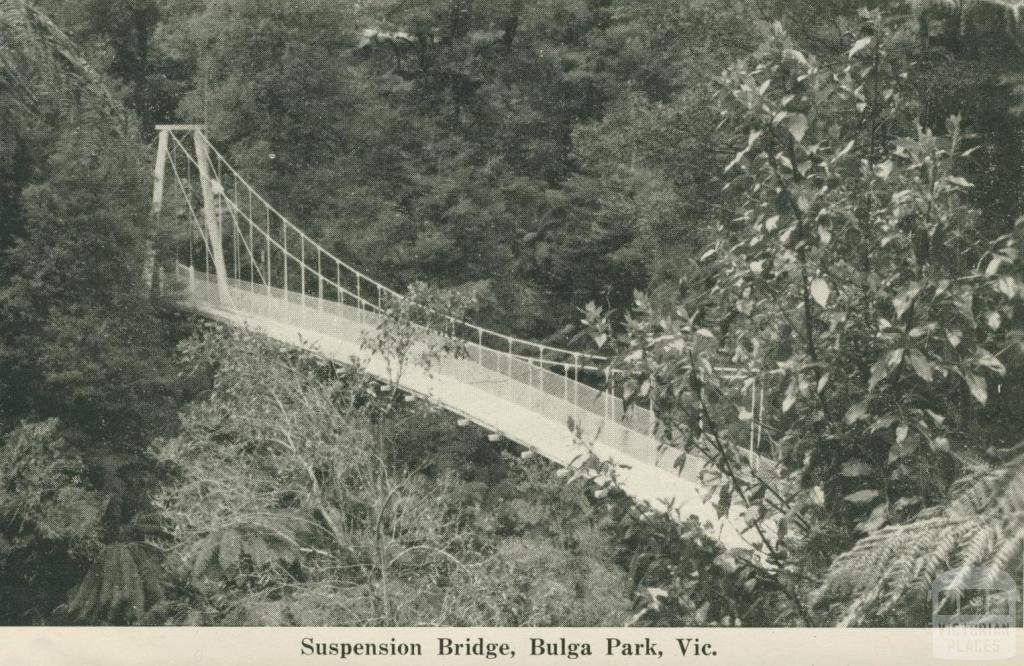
(565,360)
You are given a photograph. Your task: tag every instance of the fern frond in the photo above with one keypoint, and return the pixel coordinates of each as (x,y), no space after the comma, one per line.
(230,550)
(1012,543)
(981,528)
(123,583)
(222,552)
(34,48)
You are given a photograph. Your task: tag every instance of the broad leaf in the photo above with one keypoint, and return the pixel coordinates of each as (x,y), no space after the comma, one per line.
(978,386)
(903,301)
(987,359)
(796,123)
(904,448)
(875,520)
(862,496)
(856,468)
(858,46)
(820,291)
(954,335)
(921,365)
(857,411)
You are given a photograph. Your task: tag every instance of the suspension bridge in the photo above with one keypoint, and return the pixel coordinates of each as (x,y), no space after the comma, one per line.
(248,266)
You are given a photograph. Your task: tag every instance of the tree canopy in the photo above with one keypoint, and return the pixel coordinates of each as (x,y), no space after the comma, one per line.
(823,197)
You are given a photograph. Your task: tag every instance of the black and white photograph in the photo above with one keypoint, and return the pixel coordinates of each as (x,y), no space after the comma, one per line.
(551,314)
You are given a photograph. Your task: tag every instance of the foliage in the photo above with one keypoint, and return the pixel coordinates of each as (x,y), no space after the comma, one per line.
(980,528)
(39,57)
(118,37)
(420,328)
(51,298)
(44,489)
(49,517)
(834,217)
(457,140)
(862,243)
(124,582)
(288,505)
(852,279)
(84,372)
(1013,6)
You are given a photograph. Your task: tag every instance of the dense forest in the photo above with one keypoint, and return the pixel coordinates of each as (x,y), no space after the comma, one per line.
(824,194)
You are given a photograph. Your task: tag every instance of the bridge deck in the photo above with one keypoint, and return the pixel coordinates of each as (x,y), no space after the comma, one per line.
(526,404)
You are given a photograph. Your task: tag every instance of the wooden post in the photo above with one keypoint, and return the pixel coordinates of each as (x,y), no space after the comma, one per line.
(753,419)
(149,267)
(576,386)
(210,217)
(607,383)
(541,364)
(270,276)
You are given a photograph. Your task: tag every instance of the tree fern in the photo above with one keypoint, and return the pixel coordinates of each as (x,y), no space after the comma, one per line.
(981,527)
(224,551)
(123,583)
(36,53)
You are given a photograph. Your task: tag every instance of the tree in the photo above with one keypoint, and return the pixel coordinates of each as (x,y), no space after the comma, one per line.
(50,520)
(84,372)
(853,281)
(118,38)
(458,140)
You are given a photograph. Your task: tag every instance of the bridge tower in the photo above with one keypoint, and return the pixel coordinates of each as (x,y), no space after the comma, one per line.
(208,184)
